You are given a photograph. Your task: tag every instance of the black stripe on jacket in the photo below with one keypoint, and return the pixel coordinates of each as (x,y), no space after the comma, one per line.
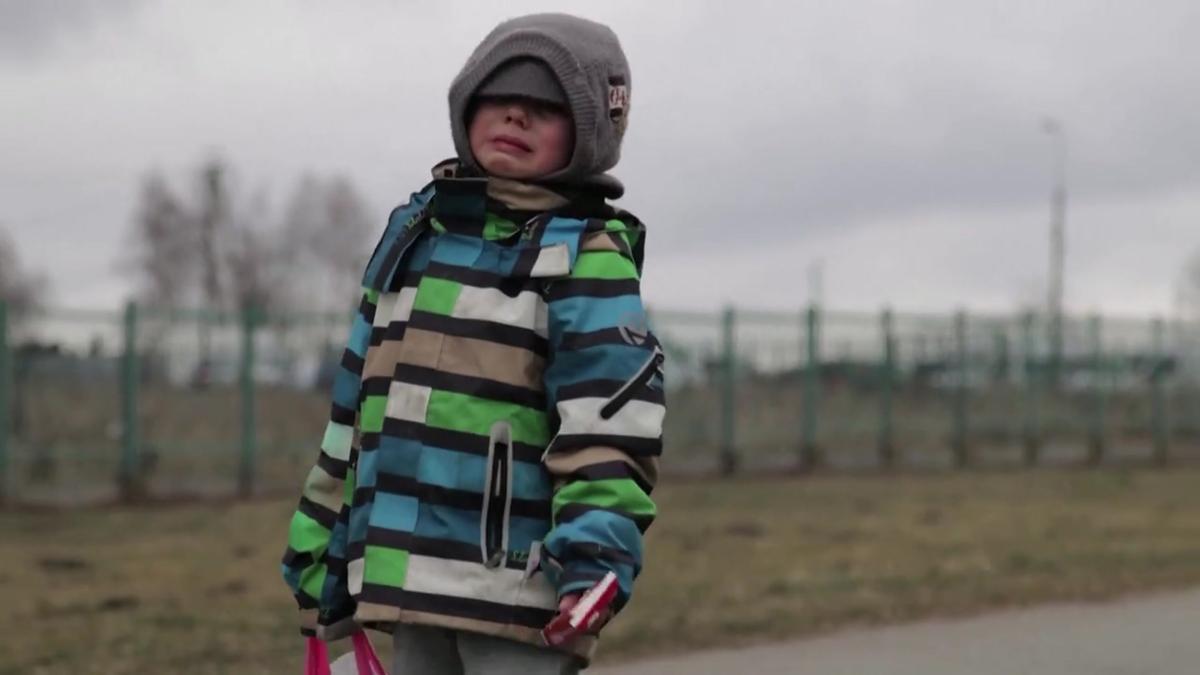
(593,288)
(445,549)
(488,331)
(608,389)
(446,605)
(446,439)
(467,500)
(574,510)
(634,445)
(471,386)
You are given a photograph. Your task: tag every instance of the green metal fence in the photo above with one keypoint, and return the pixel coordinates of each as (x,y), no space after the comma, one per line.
(166,403)
(853,390)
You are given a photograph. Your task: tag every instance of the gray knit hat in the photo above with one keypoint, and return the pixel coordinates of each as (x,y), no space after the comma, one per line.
(587,59)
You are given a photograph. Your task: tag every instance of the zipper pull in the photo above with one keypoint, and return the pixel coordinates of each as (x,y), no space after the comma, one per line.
(640,379)
(528,228)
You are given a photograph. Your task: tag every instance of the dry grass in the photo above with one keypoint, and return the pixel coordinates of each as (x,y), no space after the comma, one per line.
(195,589)
(756,560)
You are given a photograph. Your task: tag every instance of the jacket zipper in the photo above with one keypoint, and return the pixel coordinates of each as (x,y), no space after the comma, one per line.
(497,496)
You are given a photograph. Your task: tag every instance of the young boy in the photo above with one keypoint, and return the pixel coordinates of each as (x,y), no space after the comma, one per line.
(497,419)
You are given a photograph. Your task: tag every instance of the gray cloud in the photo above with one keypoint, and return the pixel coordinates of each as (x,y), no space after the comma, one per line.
(32,30)
(899,140)
(943,110)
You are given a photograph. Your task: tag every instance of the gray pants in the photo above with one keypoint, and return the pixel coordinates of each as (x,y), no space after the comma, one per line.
(425,650)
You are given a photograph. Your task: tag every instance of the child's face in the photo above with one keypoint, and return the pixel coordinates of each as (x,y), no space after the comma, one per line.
(520,138)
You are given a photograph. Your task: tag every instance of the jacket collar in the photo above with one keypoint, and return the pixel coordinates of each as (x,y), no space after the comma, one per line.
(463,197)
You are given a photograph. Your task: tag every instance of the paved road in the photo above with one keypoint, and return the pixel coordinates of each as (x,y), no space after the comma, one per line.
(1155,635)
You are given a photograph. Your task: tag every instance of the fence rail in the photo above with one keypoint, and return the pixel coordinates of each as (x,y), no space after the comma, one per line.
(167,402)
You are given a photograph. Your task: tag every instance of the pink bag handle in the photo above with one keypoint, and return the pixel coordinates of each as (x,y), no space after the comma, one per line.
(317,656)
(316,660)
(365,656)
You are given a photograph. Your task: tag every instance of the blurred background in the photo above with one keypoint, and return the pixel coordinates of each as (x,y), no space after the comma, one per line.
(892,248)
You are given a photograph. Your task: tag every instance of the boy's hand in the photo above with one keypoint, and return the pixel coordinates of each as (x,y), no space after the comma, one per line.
(568,601)
(582,613)
(571,599)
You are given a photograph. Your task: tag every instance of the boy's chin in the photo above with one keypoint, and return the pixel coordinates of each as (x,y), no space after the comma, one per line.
(503,166)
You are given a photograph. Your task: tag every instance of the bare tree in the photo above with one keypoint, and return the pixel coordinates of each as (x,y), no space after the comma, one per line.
(219,250)
(301,219)
(223,251)
(19,288)
(165,242)
(212,215)
(344,242)
(255,259)
(327,227)
(209,250)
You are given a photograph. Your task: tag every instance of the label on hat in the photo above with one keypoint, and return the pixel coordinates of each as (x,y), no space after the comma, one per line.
(618,97)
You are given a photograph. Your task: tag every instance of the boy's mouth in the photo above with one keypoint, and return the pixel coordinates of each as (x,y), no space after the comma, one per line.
(510,144)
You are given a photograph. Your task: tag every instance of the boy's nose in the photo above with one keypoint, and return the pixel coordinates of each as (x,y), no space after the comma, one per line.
(517,115)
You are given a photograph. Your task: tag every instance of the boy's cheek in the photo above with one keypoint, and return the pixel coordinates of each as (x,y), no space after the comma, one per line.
(475,138)
(561,145)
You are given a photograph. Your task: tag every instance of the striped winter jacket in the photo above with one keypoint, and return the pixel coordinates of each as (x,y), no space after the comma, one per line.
(496,423)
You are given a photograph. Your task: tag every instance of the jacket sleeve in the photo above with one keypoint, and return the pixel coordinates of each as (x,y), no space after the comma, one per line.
(605,389)
(330,482)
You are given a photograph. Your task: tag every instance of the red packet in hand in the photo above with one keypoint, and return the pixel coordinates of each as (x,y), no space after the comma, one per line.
(566,626)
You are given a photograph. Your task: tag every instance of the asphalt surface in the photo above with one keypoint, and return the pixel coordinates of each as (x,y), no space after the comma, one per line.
(1146,635)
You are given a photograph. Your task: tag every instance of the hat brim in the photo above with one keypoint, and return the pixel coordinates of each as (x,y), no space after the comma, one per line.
(524,78)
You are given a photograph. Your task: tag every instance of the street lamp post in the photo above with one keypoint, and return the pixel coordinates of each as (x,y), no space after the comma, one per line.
(1058,248)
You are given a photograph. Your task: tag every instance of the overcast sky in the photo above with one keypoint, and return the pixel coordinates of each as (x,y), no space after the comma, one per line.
(898,142)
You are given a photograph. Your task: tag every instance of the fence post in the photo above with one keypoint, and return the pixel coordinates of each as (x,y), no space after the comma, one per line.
(6,381)
(1097,444)
(887,370)
(1158,401)
(809,453)
(961,429)
(249,421)
(1001,366)
(1031,427)
(729,456)
(1000,376)
(129,478)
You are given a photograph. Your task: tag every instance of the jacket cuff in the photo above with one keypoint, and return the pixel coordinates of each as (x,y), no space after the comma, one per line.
(308,622)
(339,629)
